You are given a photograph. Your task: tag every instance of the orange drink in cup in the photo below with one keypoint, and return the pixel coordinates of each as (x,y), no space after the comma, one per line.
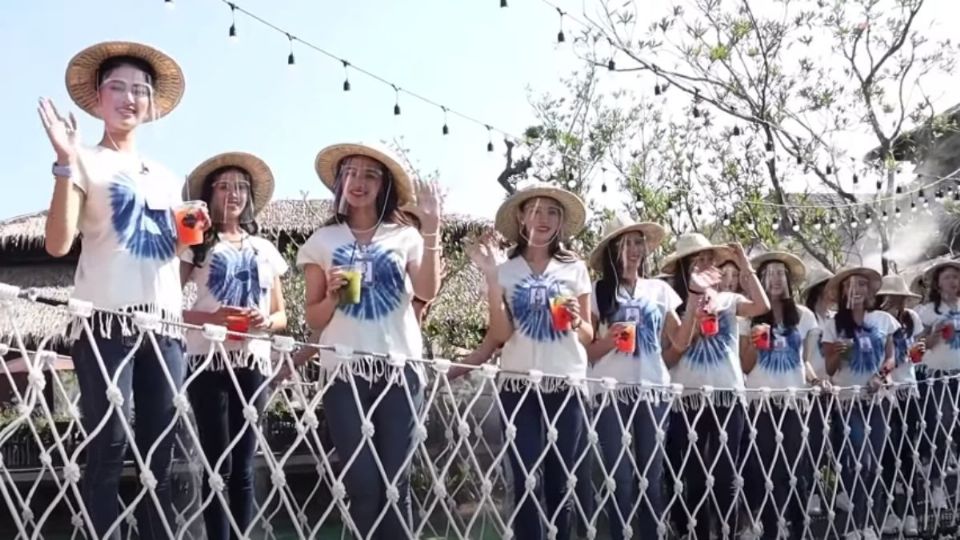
(238,323)
(187,216)
(560,315)
(627,337)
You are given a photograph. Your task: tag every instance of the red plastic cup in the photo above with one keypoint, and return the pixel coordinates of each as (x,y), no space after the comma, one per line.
(916,353)
(761,337)
(561,318)
(188,222)
(238,323)
(947,331)
(627,338)
(709,326)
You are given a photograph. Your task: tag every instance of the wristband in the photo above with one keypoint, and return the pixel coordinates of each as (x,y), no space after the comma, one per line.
(61,171)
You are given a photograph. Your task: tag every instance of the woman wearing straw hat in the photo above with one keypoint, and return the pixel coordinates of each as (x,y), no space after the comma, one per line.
(818,422)
(626,303)
(940,315)
(539,301)
(362,269)
(122,204)
(775,360)
(713,359)
(858,345)
(906,415)
(237,274)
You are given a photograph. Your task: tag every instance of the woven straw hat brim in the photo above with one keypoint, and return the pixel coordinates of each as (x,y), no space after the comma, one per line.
(83,70)
(261,177)
(928,275)
(721,254)
(328,161)
(796,267)
(574,211)
(897,291)
(872,275)
(653,234)
(816,278)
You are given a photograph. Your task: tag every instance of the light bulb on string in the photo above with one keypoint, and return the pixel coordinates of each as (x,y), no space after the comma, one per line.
(832,224)
(818,224)
(603,187)
(751,225)
(291,61)
(560,37)
(736,131)
(726,220)
(879,185)
(699,211)
(829,170)
(489,139)
(611,65)
(799,159)
(884,217)
(769,150)
(913,206)
(938,196)
(346,76)
(638,204)
(869,219)
(656,89)
(896,212)
(776,224)
(503,3)
(396,103)
(795,225)
(232,33)
(956,196)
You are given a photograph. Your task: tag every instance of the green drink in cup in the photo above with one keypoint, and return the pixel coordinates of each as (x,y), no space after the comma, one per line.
(350,293)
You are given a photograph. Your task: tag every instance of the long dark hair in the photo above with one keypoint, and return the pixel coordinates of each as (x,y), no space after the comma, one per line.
(791,315)
(846,325)
(609,280)
(812,297)
(556,247)
(387,204)
(681,282)
(114,62)
(211,235)
(933,288)
(902,315)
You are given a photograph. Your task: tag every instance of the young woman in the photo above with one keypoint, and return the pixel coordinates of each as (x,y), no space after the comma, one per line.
(905,415)
(122,205)
(539,302)
(634,320)
(369,251)
(237,274)
(859,351)
(775,360)
(713,359)
(941,321)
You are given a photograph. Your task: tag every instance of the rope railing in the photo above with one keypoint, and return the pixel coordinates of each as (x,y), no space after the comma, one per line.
(430,456)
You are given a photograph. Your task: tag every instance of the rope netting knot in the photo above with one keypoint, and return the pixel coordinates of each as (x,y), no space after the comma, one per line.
(407,449)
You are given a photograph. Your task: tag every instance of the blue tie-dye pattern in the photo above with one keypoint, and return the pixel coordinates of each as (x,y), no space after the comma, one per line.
(901,345)
(954,342)
(867,361)
(785,359)
(382,295)
(707,352)
(648,327)
(533,319)
(146,233)
(234,278)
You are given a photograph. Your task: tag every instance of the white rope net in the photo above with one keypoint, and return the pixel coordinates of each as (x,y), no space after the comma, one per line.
(547,458)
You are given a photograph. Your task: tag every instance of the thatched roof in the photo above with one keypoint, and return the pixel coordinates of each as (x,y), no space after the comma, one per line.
(35,321)
(937,136)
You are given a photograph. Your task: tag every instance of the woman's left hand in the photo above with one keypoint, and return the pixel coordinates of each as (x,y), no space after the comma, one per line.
(257,319)
(572,305)
(428,206)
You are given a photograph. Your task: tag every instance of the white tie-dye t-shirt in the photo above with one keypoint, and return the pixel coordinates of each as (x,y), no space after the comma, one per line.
(535,344)
(128,254)
(868,344)
(904,372)
(235,276)
(781,366)
(383,321)
(815,353)
(945,356)
(714,360)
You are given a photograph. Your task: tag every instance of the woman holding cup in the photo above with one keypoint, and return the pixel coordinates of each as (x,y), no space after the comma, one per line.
(123,206)
(859,350)
(775,360)
(712,359)
(539,301)
(941,321)
(237,274)
(634,320)
(362,269)
(905,415)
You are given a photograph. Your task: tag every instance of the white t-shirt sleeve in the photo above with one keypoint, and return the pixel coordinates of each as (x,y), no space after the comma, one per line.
(582,285)
(889,323)
(927,315)
(830,331)
(313,251)
(670,297)
(917,323)
(277,263)
(808,321)
(80,174)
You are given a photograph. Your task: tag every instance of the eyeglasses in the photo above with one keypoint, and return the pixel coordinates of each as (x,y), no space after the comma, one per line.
(139,90)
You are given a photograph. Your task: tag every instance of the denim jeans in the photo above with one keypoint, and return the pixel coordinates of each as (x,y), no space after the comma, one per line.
(218,410)
(141,380)
(388,409)
(941,397)
(720,460)
(642,418)
(864,450)
(563,410)
(779,462)
(904,439)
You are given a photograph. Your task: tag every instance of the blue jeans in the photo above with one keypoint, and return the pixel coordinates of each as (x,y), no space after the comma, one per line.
(532,421)
(644,418)
(863,450)
(387,407)
(779,462)
(941,396)
(905,438)
(142,380)
(218,410)
(720,459)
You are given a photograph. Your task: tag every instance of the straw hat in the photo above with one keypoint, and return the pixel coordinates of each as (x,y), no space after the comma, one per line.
(817,276)
(328,161)
(574,211)
(928,273)
(872,275)
(894,285)
(619,225)
(691,244)
(84,67)
(798,270)
(261,179)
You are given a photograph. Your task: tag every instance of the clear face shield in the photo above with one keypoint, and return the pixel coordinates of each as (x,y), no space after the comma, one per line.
(118,90)
(775,280)
(541,221)
(358,181)
(631,251)
(856,287)
(232,199)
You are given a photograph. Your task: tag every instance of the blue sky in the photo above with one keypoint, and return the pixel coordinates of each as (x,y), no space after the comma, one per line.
(470,55)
